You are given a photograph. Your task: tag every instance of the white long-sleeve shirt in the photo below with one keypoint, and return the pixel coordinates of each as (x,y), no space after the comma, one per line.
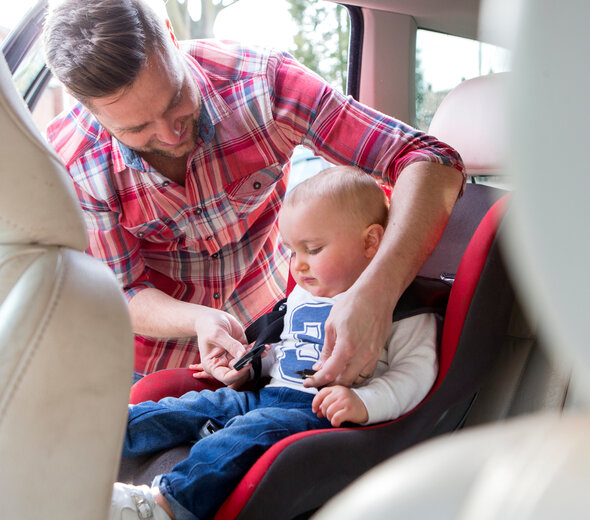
(405,372)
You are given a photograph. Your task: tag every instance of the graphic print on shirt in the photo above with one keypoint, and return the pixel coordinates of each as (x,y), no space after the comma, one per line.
(306,332)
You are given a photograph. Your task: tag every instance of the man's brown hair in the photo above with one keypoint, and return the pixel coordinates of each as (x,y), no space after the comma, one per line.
(98,47)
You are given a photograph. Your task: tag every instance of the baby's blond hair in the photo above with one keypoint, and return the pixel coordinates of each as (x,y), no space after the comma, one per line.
(348,188)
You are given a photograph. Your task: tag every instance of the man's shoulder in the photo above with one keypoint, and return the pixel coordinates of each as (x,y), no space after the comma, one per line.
(74,133)
(228,60)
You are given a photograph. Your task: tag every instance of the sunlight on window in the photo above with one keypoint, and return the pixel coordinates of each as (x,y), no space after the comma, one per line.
(11,12)
(257,22)
(443,61)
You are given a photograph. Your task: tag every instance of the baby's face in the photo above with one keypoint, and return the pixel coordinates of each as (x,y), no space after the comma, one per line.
(327,247)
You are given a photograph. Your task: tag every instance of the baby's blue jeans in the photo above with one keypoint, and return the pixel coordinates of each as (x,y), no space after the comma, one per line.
(249,422)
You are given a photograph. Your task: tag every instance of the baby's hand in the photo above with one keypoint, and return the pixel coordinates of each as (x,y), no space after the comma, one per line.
(339,404)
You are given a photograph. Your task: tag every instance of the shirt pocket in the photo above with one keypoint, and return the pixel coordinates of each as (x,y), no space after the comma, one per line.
(249,192)
(163,233)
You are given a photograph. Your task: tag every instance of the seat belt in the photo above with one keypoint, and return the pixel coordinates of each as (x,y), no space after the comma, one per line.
(423,295)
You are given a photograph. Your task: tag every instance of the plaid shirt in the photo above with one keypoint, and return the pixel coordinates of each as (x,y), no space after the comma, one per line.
(215,241)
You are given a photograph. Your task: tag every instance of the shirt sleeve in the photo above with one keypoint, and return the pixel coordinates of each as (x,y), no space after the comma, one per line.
(344,131)
(412,369)
(111,243)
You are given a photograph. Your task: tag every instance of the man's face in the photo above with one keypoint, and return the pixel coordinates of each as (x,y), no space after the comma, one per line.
(159,112)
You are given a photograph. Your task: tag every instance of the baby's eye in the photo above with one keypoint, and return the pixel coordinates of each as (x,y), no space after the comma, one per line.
(314,251)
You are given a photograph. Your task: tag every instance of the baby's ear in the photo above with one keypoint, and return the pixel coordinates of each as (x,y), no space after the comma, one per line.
(373,236)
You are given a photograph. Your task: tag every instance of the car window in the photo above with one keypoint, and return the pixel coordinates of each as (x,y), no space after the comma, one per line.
(443,61)
(11,13)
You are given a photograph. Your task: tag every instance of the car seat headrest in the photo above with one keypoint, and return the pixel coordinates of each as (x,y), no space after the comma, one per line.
(37,202)
(471,118)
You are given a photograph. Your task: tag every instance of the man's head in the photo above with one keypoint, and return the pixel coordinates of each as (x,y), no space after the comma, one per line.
(333,224)
(117,57)
(96,48)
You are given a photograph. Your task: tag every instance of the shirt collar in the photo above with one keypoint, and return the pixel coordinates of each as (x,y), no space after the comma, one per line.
(213,110)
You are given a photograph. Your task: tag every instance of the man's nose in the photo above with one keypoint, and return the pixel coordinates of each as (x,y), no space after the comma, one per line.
(170,131)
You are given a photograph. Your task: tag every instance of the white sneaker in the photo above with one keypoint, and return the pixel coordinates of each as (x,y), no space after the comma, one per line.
(135,502)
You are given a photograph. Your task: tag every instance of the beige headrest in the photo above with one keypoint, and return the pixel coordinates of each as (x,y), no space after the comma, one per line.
(37,200)
(471,119)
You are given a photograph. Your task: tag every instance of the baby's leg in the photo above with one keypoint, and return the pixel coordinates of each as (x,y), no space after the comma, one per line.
(172,421)
(216,464)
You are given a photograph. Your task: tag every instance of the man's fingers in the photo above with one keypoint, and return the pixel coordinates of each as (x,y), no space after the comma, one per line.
(324,376)
(342,370)
(327,349)
(231,345)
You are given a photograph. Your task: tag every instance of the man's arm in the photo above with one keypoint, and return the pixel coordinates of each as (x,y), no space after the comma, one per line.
(357,328)
(154,313)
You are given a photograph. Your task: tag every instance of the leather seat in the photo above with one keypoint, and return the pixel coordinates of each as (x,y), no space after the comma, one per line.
(66,346)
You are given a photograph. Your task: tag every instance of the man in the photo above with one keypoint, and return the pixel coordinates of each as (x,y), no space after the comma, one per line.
(180,162)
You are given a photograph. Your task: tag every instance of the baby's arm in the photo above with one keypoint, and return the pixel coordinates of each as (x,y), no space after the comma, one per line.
(339,404)
(412,369)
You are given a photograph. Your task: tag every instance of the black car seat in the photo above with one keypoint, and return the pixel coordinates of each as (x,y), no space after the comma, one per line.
(66,347)
(300,473)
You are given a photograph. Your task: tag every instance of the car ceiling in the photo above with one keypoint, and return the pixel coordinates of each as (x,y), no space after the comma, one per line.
(457,17)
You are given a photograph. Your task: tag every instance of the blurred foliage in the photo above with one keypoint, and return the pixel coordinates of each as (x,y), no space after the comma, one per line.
(185,27)
(321,41)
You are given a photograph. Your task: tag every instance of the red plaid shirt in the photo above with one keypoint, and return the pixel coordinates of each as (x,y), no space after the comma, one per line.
(215,241)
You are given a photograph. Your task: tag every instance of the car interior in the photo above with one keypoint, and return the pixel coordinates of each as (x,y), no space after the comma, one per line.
(502,433)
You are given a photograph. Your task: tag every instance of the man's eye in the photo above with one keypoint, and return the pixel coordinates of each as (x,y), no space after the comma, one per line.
(135,130)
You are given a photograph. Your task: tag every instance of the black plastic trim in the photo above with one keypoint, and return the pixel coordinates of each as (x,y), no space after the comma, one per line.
(355,53)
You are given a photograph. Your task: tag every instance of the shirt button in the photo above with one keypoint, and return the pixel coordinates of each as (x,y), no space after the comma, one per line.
(214,255)
(216,295)
(140,234)
(198,211)
(210,237)
(257,185)
(166,183)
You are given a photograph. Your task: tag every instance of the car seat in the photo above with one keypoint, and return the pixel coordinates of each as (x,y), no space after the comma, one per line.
(66,346)
(301,472)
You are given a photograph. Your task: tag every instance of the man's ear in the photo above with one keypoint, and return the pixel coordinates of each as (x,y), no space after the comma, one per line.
(373,236)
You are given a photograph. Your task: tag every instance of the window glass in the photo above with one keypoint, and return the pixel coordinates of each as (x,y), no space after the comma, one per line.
(443,61)
(11,13)
(316,32)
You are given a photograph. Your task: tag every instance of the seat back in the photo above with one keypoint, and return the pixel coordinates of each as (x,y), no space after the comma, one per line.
(66,346)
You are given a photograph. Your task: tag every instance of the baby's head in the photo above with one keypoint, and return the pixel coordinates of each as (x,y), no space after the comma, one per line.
(333,224)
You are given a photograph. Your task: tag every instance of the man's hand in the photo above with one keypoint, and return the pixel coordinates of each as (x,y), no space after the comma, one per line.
(339,404)
(356,332)
(221,340)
